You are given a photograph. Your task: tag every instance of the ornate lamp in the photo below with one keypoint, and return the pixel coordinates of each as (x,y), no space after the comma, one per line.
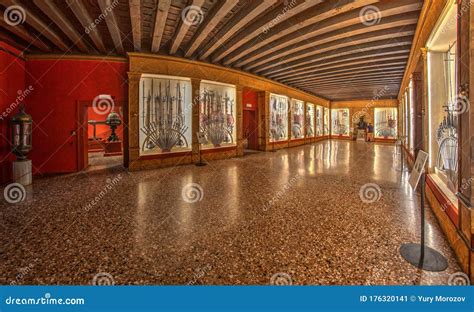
(113,121)
(21,125)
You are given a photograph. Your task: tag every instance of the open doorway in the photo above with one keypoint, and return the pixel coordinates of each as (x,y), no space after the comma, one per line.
(250,120)
(100,134)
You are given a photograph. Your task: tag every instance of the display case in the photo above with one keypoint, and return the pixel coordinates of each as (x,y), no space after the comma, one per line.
(319,121)
(297,119)
(165,111)
(340,122)
(326,121)
(217,114)
(278,118)
(385,123)
(310,129)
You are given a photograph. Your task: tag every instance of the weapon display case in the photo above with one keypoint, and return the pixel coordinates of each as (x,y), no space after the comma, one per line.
(319,121)
(217,114)
(340,121)
(326,121)
(165,109)
(297,119)
(385,123)
(278,118)
(310,113)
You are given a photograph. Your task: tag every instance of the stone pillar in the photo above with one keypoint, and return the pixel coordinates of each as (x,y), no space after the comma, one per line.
(425,103)
(419,110)
(263,120)
(195,126)
(133,129)
(22,172)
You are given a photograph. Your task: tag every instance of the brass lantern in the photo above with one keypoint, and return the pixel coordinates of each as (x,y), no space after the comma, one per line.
(21,125)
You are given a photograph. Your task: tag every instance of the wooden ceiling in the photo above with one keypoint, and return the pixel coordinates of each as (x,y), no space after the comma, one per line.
(337,49)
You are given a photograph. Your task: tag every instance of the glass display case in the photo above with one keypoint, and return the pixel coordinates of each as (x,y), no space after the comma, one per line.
(278,118)
(326,121)
(310,120)
(297,119)
(217,114)
(340,121)
(385,123)
(164,114)
(319,121)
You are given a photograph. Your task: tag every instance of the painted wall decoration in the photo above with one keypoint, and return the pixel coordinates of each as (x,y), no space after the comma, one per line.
(165,114)
(310,113)
(386,123)
(278,118)
(218,114)
(297,119)
(340,121)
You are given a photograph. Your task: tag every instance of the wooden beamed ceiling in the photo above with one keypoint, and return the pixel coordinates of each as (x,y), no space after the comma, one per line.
(344,49)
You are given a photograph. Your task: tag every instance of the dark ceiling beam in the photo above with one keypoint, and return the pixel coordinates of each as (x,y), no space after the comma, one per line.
(22,32)
(353,78)
(106,6)
(80,11)
(369,47)
(337,27)
(160,22)
(218,12)
(34,21)
(54,13)
(136,21)
(378,82)
(236,23)
(391,60)
(324,11)
(386,34)
(183,28)
(279,14)
(358,58)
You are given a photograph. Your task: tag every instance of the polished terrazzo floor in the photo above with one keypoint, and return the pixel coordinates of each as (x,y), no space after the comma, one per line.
(296,212)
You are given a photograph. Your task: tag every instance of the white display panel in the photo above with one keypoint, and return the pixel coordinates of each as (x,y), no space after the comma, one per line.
(165,109)
(310,129)
(385,123)
(326,121)
(278,118)
(217,114)
(319,121)
(297,119)
(340,121)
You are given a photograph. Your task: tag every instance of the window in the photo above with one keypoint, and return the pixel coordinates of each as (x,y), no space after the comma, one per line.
(278,118)
(340,121)
(165,111)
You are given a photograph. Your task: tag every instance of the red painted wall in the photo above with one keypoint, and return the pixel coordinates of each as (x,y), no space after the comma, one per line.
(12,81)
(58,85)
(250,99)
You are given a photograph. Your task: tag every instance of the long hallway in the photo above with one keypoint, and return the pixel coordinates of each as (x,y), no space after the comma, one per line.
(299,215)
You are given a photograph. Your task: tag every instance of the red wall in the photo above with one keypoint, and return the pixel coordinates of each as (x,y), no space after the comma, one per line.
(12,80)
(249,99)
(58,85)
